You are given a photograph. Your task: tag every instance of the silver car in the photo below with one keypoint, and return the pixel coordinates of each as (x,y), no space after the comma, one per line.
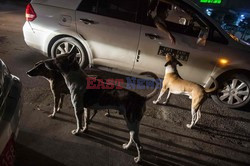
(10,111)
(119,36)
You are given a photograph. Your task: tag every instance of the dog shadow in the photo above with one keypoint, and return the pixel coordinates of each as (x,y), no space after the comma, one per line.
(240,119)
(151,156)
(222,133)
(156,156)
(173,106)
(216,131)
(164,153)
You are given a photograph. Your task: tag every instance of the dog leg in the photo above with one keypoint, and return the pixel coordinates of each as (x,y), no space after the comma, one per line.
(78,115)
(61,103)
(127,145)
(134,137)
(86,120)
(198,115)
(160,95)
(137,144)
(168,96)
(107,114)
(90,119)
(56,103)
(194,117)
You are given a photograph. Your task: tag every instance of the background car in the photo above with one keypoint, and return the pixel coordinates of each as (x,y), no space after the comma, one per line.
(10,111)
(119,36)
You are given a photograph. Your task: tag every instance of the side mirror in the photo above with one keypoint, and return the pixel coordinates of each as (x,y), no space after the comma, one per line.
(202,38)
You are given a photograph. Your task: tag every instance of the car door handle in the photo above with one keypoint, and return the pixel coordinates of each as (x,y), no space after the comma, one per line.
(87,21)
(152,36)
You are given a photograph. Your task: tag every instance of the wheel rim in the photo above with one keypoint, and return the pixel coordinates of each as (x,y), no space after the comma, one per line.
(65,48)
(234,92)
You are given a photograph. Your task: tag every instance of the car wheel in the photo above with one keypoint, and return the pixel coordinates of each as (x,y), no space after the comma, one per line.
(233,91)
(64,46)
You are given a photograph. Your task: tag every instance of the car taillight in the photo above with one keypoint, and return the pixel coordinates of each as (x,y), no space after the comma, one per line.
(30,13)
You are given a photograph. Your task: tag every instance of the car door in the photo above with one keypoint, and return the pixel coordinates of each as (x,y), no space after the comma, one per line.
(198,61)
(110,28)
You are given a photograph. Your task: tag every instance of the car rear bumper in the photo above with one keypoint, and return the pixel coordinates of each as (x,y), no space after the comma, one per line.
(34,38)
(9,123)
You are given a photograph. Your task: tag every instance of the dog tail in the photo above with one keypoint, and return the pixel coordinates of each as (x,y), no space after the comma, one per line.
(216,85)
(153,93)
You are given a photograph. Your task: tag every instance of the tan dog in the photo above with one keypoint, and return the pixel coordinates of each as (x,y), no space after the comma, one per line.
(176,85)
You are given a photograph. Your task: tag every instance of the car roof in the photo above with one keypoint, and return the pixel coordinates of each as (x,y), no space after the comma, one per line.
(69,4)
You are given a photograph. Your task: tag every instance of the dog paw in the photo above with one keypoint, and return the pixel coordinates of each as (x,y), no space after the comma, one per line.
(58,110)
(125,146)
(137,159)
(75,132)
(84,130)
(52,116)
(165,102)
(189,126)
(155,102)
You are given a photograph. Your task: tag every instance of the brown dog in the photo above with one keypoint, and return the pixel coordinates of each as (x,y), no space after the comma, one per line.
(176,85)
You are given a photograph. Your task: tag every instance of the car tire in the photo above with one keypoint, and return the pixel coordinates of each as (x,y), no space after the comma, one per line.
(233,91)
(64,45)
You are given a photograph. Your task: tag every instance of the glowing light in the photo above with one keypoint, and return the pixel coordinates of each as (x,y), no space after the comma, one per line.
(223,61)
(211,1)
(209,11)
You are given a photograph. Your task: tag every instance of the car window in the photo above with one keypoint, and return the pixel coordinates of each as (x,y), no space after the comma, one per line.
(181,18)
(177,19)
(217,37)
(121,9)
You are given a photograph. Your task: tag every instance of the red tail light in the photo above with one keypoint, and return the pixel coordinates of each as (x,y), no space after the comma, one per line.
(30,13)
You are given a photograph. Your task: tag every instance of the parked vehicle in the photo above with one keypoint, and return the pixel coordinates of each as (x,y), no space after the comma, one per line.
(10,111)
(120,37)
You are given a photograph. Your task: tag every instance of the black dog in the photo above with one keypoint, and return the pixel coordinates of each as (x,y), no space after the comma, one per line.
(130,104)
(57,85)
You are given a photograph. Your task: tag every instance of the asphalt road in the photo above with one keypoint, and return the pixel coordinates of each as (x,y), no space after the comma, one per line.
(222,136)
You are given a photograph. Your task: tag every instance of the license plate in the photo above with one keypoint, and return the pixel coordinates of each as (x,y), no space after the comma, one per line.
(178,54)
(8,155)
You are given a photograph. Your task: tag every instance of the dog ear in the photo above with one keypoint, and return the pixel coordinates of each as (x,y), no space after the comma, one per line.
(168,57)
(49,64)
(38,63)
(176,61)
(179,63)
(72,54)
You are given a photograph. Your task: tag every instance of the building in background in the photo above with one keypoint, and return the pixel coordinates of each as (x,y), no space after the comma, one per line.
(232,15)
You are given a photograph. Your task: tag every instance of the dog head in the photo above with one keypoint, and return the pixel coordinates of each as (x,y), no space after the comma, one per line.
(171,64)
(40,69)
(171,60)
(64,63)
